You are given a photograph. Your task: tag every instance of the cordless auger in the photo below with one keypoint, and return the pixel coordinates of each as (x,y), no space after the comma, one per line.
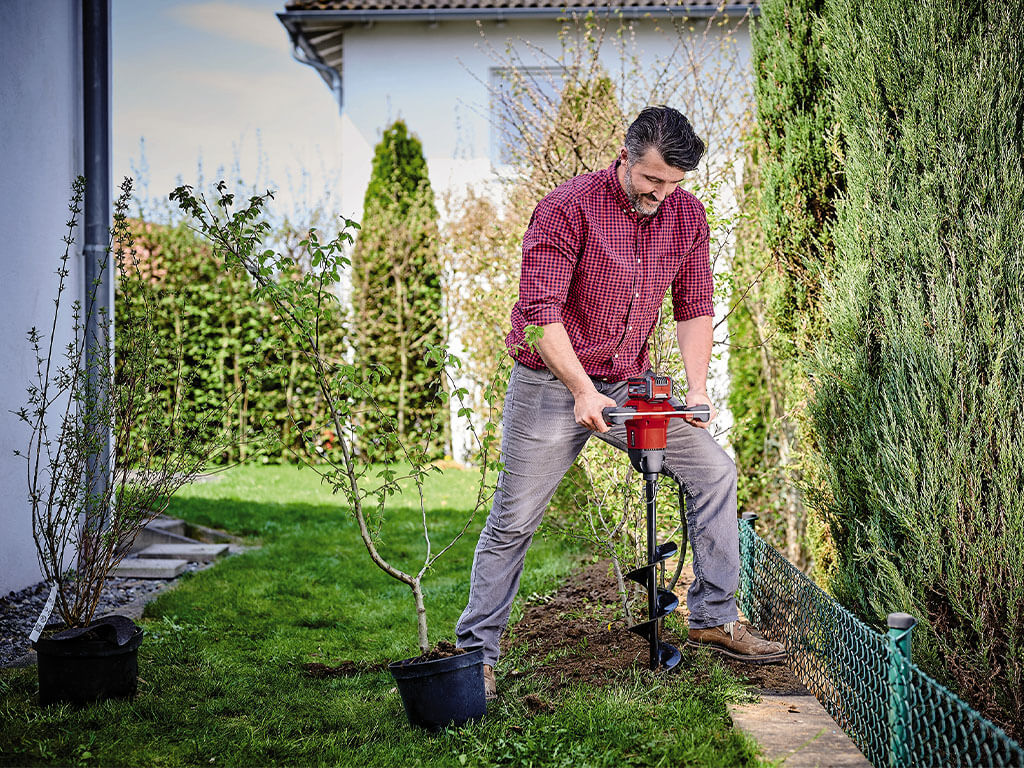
(646,415)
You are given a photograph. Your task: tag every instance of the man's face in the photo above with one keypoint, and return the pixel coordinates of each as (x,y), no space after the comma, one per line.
(648,181)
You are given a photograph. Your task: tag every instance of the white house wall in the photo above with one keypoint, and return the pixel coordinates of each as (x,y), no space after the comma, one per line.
(40,142)
(434,77)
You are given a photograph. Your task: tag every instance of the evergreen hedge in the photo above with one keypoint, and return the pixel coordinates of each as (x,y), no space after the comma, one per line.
(780,267)
(217,337)
(918,405)
(396,286)
(750,369)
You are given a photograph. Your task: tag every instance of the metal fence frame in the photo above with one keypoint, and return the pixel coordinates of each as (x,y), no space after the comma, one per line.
(896,714)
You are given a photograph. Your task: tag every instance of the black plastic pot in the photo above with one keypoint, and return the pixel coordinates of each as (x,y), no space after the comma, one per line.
(77,666)
(442,692)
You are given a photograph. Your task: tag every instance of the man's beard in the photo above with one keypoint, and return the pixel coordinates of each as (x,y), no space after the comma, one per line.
(640,205)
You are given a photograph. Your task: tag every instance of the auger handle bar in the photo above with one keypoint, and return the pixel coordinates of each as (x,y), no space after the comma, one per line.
(621,414)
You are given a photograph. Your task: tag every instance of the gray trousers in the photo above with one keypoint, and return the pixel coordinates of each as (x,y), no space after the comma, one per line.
(540,441)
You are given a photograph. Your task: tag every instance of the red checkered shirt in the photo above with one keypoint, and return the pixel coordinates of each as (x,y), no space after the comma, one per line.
(593,264)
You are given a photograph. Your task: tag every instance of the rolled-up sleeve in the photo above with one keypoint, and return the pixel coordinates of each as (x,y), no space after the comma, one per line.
(550,248)
(693,287)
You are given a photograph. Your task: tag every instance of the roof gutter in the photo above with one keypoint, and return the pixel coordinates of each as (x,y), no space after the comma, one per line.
(507,14)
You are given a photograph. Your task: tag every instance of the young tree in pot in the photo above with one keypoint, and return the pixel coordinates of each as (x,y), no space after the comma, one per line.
(370,459)
(95,476)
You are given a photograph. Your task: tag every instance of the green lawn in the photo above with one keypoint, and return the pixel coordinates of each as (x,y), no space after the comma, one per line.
(221,667)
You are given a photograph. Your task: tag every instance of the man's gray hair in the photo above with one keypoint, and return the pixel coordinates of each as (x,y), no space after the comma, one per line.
(668,131)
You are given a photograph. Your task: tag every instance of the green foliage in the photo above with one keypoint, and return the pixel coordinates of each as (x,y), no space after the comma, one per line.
(749,384)
(785,263)
(918,402)
(218,335)
(396,284)
(801,173)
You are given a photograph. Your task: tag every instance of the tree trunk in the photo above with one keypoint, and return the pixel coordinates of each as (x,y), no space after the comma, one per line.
(421,615)
(403,354)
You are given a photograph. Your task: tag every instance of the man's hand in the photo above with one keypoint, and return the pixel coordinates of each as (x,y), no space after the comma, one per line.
(701,398)
(589,404)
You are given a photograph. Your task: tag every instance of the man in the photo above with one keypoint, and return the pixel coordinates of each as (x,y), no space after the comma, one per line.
(599,255)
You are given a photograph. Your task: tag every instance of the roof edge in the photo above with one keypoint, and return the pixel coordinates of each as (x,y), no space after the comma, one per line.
(504,14)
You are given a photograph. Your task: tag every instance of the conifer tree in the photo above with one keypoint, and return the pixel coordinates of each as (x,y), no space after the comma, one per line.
(396,281)
(782,265)
(918,405)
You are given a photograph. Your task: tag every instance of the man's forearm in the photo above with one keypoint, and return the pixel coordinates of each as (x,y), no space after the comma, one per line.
(558,355)
(695,338)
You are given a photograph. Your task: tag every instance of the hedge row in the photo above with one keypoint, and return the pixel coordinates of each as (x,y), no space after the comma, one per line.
(915,362)
(918,405)
(783,262)
(223,345)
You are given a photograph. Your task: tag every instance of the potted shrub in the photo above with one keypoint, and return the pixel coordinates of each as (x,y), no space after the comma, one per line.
(97,473)
(370,457)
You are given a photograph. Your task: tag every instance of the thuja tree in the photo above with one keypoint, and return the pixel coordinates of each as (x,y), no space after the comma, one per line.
(754,391)
(784,263)
(396,283)
(918,401)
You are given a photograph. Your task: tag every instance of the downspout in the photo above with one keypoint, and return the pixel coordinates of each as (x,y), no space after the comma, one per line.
(98,291)
(300,55)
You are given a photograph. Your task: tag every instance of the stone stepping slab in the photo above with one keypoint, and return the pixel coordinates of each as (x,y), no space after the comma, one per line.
(149,568)
(193,553)
(798,731)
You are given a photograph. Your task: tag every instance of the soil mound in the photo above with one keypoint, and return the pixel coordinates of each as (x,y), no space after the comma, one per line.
(577,635)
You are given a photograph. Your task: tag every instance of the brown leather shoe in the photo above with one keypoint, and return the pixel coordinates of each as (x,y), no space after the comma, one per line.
(490,687)
(739,642)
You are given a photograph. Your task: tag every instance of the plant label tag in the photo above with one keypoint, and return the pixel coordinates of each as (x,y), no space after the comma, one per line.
(45,615)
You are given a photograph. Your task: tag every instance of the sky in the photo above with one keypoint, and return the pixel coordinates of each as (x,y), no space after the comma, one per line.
(208,89)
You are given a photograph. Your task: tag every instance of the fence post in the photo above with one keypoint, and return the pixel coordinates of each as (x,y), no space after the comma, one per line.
(900,626)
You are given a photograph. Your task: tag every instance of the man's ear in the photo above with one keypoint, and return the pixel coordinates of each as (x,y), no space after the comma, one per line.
(623,155)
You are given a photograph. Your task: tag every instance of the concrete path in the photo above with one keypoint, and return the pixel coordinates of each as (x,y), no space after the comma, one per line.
(796,729)
(788,722)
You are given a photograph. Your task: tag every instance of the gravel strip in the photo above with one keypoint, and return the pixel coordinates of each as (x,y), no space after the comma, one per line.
(19,610)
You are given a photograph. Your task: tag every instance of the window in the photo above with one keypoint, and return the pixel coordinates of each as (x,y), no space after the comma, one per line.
(524,100)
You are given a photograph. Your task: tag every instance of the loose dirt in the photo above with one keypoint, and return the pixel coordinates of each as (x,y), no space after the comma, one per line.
(443,650)
(576,636)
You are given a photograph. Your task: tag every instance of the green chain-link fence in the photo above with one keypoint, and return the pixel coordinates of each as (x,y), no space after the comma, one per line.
(894,712)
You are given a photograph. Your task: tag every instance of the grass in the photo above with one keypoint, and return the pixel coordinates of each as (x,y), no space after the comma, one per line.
(221,667)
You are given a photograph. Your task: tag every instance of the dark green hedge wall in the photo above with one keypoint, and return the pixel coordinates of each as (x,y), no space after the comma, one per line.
(794,175)
(918,405)
(223,344)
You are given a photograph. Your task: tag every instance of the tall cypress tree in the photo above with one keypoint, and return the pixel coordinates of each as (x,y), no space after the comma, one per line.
(396,280)
(778,317)
(918,406)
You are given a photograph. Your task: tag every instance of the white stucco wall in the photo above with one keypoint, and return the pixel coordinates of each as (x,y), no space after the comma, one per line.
(435,76)
(41,146)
